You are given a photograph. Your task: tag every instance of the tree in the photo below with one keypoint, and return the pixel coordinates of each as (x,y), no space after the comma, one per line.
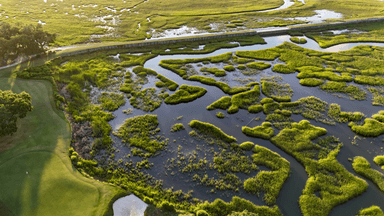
(12,107)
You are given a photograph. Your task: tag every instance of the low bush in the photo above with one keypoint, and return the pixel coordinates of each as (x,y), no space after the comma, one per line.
(229,68)
(201,213)
(371,211)
(223,103)
(379,160)
(363,167)
(212,130)
(298,40)
(341,87)
(168,207)
(311,82)
(221,208)
(247,145)
(264,131)
(220,115)
(177,127)
(241,67)
(259,65)
(186,94)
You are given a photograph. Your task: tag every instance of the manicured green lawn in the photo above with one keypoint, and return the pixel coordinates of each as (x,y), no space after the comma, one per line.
(39,147)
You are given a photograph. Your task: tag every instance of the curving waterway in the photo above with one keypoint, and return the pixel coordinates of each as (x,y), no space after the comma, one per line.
(291,191)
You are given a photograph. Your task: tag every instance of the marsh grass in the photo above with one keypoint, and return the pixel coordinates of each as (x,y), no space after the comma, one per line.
(269,182)
(378,95)
(220,115)
(259,65)
(363,167)
(373,211)
(298,40)
(264,131)
(111,101)
(223,103)
(140,132)
(311,82)
(271,87)
(207,128)
(352,91)
(216,71)
(245,99)
(185,94)
(164,81)
(326,175)
(147,99)
(223,86)
(335,113)
(177,127)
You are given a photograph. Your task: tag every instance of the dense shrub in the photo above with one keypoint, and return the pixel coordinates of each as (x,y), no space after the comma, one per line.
(223,103)
(201,213)
(264,131)
(186,94)
(212,130)
(166,206)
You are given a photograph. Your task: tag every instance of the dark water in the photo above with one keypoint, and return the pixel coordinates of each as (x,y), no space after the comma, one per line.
(231,125)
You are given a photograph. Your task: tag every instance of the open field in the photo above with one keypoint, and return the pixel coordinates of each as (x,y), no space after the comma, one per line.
(52,186)
(94,21)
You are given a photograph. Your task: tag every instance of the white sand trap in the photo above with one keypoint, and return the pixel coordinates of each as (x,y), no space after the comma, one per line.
(129,206)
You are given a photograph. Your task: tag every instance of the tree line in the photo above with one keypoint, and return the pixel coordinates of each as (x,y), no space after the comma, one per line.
(22,40)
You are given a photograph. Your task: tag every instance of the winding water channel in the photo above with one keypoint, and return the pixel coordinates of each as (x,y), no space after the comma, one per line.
(292,188)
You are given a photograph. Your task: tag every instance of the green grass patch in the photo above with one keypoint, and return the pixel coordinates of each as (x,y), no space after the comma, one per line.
(212,130)
(363,167)
(223,103)
(186,94)
(377,95)
(370,128)
(264,131)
